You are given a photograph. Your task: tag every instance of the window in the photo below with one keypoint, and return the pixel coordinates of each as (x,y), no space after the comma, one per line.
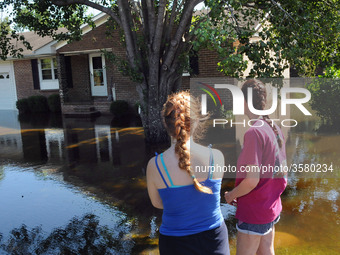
(49,69)
(46,73)
(191,64)
(98,75)
(4,76)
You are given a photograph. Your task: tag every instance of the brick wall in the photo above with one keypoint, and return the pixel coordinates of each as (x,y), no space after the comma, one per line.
(81,90)
(97,40)
(24,80)
(124,87)
(207,63)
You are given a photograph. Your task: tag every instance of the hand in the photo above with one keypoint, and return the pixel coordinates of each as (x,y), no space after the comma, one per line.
(229,198)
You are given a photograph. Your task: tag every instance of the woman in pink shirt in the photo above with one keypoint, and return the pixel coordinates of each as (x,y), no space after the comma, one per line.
(260,180)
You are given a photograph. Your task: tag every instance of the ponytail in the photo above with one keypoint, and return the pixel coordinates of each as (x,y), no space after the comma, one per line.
(272,125)
(259,102)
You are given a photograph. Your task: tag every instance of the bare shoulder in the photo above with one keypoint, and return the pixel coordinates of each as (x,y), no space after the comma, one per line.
(218,155)
(151,165)
(219,163)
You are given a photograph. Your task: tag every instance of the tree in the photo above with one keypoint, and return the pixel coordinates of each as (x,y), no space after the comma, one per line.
(7,35)
(158,34)
(325,91)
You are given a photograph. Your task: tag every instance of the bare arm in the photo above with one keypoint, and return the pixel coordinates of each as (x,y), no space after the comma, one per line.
(152,189)
(247,185)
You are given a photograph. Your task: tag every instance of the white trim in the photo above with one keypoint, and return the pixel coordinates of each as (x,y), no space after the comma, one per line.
(31,57)
(49,84)
(72,53)
(9,68)
(103,131)
(14,83)
(98,93)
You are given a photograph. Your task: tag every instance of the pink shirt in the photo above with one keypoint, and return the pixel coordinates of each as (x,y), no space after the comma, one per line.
(263,204)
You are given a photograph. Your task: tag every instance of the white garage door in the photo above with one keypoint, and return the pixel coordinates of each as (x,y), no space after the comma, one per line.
(7,87)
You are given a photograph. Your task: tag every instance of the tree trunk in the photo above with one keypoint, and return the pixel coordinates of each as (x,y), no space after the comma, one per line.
(154,130)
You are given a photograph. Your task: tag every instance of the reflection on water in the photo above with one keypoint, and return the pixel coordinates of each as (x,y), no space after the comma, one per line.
(78,185)
(80,236)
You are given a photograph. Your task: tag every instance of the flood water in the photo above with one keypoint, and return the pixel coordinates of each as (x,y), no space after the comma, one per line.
(76,186)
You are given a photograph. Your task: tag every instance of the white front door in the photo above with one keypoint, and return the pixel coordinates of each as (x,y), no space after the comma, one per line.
(98,75)
(8,94)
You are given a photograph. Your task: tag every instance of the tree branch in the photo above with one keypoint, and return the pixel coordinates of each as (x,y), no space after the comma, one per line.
(171,21)
(280,7)
(191,36)
(151,14)
(159,27)
(237,28)
(96,6)
(126,26)
(145,16)
(185,20)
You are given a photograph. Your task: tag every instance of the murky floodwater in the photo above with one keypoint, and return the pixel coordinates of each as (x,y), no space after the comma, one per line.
(77,185)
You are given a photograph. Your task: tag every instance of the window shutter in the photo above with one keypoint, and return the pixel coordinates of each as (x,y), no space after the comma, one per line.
(35,73)
(68,69)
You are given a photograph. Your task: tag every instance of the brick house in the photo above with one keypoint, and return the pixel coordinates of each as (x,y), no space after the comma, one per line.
(20,78)
(79,71)
(94,87)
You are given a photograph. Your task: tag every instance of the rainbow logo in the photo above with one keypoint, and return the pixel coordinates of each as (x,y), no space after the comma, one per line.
(209,93)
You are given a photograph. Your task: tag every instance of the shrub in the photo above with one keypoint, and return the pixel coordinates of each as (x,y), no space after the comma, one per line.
(38,104)
(325,94)
(54,103)
(22,105)
(119,108)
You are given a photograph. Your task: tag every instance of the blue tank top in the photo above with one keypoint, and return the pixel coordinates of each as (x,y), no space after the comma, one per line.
(187,211)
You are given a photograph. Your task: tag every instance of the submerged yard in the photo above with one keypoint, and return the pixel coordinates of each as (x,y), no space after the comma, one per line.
(71,186)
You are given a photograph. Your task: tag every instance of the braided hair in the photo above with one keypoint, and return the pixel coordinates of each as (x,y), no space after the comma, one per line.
(180,115)
(259,102)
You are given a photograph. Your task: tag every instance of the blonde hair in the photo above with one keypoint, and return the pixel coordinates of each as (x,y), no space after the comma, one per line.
(180,113)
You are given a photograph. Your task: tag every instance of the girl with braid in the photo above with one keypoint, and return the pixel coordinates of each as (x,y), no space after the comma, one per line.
(258,183)
(192,221)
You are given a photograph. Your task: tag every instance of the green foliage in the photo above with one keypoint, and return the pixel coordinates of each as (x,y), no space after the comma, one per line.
(331,72)
(54,103)
(45,18)
(38,104)
(294,30)
(119,108)
(226,114)
(271,35)
(123,66)
(7,37)
(325,94)
(82,235)
(22,105)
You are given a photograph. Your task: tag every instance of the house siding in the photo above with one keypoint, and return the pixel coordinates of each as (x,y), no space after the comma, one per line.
(24,80)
